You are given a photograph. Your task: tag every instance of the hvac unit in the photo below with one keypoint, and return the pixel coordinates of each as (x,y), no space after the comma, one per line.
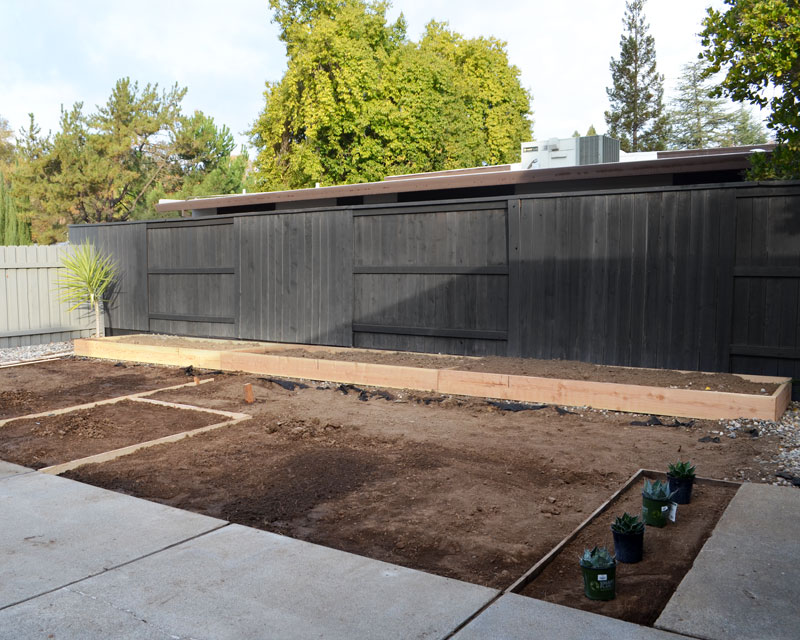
(569,152)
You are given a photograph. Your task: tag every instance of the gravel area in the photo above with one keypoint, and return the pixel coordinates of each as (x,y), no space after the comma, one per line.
(34,352)
(787,430)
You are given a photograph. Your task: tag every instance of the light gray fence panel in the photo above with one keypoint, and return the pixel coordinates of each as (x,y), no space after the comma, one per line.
(30,311)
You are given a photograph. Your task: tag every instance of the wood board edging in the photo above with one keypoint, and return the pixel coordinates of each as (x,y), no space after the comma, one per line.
(689,403)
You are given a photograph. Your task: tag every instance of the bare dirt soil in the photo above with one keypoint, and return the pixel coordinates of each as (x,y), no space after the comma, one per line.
(454,486)
(45,386)
(644,588)
(41,442)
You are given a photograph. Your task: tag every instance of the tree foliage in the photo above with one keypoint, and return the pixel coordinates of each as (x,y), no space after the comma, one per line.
(111,165)
(637,116)
(359,100)
(87,277)
(698,120)
(6,143)
(757,43)
(13,229)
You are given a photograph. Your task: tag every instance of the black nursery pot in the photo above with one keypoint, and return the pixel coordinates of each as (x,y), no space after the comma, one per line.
(628,547)
(682,488)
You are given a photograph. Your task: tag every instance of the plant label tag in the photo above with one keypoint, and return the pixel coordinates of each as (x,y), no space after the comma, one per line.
(602,577)
(673,511)
(664,508)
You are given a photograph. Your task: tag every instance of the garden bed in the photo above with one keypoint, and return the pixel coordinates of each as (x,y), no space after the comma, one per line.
(49,440)
(644,588)
(675,393)
(454,486)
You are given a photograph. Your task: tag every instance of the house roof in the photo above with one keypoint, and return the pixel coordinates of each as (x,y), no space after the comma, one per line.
(722,160)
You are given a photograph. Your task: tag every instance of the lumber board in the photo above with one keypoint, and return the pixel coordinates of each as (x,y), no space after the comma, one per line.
(690,403)
(108,456)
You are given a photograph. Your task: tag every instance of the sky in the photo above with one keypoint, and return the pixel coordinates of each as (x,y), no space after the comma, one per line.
(223,51)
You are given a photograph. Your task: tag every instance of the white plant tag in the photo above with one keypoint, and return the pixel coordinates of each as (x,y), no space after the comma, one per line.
(602,577)
(664,508)
(673,511)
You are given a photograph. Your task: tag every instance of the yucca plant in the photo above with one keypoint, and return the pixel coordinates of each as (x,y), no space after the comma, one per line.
(656,490)
(681,470)
(627,524)
(88,274)
(597,558)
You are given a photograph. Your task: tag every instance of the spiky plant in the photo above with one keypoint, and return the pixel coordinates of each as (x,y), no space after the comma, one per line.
(597,558)
(88,273)
(657,490)
(681,470)
(626,524)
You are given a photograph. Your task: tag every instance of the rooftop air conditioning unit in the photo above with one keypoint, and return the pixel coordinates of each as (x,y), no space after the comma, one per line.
(569,152)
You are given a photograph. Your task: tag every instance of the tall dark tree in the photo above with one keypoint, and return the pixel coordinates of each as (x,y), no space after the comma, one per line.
(637,116)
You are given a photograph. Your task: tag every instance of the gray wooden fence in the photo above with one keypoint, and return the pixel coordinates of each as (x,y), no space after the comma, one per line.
(703,277)
(30,312)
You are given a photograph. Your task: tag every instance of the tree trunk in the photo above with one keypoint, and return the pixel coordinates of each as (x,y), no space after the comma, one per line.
(97,325)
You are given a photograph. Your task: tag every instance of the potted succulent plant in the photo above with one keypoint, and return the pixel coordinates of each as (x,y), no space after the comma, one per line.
(681,480)
(599,570)
(628,532)
(656,498)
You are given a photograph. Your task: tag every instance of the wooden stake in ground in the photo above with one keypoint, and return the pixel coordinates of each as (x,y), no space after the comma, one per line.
(249,398)
(196,380)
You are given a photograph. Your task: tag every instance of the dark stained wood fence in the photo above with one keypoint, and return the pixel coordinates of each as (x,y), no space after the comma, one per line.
(701,278)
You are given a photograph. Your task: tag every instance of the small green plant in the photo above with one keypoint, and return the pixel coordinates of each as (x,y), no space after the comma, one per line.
(626,524)
(87,276)
(681,470)
(597,558)
(657,490)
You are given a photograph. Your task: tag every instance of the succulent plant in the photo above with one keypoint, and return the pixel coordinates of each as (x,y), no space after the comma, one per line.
(597,558)
(657,490)
(626,523)
(681,470)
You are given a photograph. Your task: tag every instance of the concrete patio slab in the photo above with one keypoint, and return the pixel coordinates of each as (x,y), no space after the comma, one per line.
(242,583)
(515,617)
(744,582)
(8,469)
(54,531)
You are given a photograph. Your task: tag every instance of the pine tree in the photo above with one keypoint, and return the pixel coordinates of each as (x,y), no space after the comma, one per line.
(744,129)
(13,229)
(591,131)
(637,117)
(698,120)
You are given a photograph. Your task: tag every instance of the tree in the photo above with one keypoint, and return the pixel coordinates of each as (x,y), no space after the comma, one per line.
(637,116)
(744,129)
(88,274)
(757,43)
(111,165)
(359,100)
(698,119)
(13,229)
(6,143)
(591,131)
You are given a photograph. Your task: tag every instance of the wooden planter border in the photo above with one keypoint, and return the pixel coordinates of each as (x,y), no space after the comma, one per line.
(532,573)
(257,359)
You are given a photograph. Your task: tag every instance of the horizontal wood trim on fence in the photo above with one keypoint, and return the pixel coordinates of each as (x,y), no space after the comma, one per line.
(38,265)
(216,319)
(39,332)
(445,270)
(766,272)
(766,352)
(200,222)
(189,270)
(475,334)
(713,405)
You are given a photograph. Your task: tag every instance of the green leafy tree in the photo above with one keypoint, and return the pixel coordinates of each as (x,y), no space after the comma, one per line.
(13,229)
(6,143)
(88,276)
(637,116)
(591,131)
(112,165)
(359,100)
(757,43)
(698,119)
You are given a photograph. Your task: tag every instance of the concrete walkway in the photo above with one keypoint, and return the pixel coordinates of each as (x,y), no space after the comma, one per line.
(81,562)
(744,582)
